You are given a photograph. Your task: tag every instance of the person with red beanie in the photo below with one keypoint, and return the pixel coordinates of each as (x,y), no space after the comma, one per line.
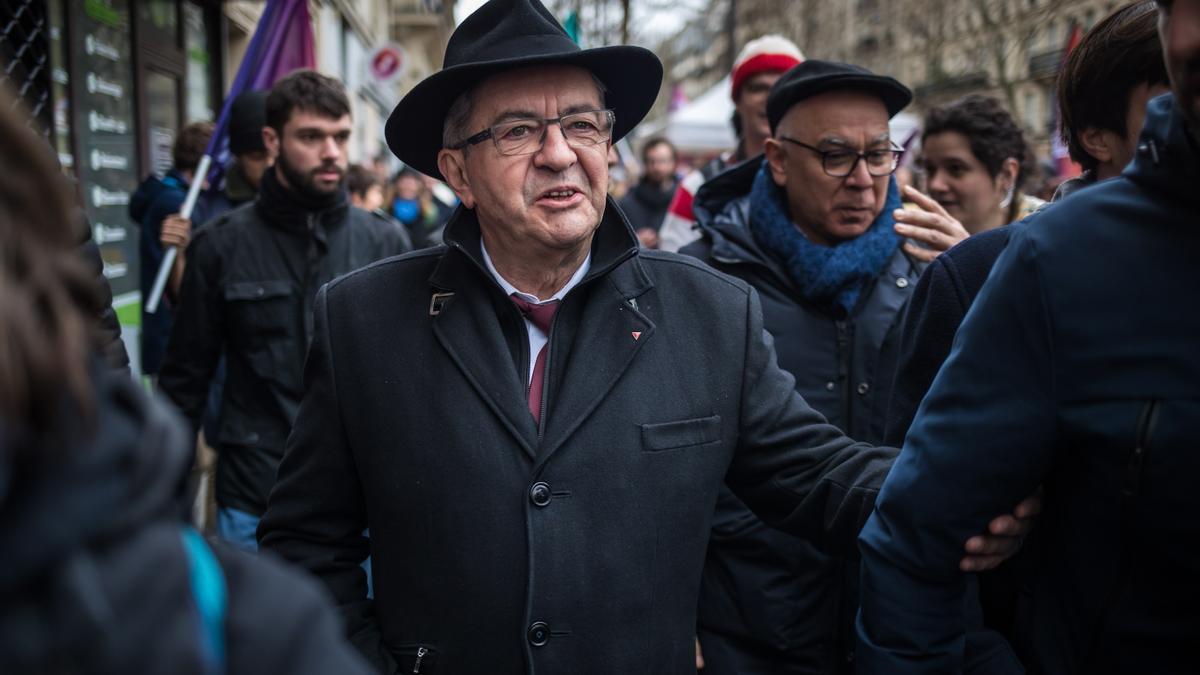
(757,67)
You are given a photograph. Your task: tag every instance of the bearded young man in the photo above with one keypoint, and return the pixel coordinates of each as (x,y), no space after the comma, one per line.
(534,419)
(248,290)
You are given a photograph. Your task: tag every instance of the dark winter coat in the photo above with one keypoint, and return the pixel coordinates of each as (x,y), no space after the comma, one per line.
(1089,384)
(108,329)
(778,593)
(94,576)
(645,205)
(575,547)
(944,293)
(248,292)
(151,203)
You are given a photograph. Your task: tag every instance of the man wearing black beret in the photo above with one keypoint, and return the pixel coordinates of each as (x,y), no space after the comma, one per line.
(810,228)
(533,420)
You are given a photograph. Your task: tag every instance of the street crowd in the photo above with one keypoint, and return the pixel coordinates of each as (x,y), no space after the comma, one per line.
(794,412)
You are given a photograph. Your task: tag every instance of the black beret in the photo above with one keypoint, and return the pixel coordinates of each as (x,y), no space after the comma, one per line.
(817,77)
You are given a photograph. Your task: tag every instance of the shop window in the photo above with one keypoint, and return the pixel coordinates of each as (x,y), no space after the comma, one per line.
(199,66)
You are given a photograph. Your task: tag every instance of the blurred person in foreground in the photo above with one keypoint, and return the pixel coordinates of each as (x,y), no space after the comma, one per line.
(248,290)
(1088,384)
(645,204)
(101,572)
(534,419)
(757,67)
(1119,59)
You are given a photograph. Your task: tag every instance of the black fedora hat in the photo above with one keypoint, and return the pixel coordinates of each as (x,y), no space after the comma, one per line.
(817,77)
(503,35)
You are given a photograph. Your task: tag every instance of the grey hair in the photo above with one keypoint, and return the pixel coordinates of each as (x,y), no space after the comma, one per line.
(454,129)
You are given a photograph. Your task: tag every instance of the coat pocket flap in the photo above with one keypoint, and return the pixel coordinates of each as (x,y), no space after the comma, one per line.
(681,434)
(257,290)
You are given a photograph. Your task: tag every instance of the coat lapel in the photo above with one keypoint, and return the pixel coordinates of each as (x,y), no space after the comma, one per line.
(608,334)
(468,325)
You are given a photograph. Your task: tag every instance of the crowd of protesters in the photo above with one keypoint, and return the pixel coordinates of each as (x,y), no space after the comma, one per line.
(792,413)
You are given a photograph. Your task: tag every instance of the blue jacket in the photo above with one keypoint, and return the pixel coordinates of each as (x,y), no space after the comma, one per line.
(1077,368)
(154,200)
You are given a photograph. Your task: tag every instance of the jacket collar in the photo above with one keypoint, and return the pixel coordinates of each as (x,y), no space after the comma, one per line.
(293,211)
(476,324)
(613,244)
(722,208)
(1167,158)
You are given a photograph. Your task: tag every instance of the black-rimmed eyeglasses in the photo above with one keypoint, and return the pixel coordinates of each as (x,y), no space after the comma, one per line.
(841,163)
(527,136)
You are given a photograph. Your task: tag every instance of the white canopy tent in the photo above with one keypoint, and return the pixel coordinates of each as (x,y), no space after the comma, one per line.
(701,127)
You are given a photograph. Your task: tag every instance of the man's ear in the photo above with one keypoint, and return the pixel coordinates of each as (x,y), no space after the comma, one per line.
(453,166)
(1097,143)
(776,157)
(271,141)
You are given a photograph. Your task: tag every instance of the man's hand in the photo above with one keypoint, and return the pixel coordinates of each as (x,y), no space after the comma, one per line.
(176,230)
(648,237)
(1004,537)
(699,656)
(928,224)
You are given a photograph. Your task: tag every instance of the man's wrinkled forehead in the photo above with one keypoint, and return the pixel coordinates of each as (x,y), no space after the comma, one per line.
(534,92)
(846,117)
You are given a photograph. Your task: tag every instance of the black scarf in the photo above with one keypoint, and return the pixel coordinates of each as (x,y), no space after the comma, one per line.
(290,209)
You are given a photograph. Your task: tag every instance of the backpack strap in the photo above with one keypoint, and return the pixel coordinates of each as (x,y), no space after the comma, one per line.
(209,594)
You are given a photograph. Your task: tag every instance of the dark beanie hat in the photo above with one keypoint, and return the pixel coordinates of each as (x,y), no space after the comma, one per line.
(247,117)
(817,77)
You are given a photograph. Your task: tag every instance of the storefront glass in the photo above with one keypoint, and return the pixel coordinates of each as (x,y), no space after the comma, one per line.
(199,82)
(101,95)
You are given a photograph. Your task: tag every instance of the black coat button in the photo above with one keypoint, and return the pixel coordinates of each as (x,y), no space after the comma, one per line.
(539,494)
(539,634)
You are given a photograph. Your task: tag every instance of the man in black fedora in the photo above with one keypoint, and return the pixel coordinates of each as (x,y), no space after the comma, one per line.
(534,419)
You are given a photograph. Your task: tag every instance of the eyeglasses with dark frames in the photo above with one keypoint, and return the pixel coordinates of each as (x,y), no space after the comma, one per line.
(841,163)
(527,136)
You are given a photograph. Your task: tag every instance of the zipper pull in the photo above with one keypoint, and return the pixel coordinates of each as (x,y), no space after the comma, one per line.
(421,652)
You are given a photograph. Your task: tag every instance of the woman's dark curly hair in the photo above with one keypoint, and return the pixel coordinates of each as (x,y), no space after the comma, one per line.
(991,131)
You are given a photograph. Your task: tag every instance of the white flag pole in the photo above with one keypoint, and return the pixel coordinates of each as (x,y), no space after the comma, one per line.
(168,261)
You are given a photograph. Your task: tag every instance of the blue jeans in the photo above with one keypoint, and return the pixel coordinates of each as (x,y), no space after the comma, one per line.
(237,528)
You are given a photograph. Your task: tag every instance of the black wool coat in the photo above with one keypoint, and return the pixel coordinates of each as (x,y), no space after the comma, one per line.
(576,546)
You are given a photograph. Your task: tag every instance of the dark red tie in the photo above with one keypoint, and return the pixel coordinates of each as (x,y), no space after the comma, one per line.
(541,316)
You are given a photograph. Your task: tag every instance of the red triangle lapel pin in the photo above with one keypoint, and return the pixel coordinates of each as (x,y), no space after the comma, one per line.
(637,334)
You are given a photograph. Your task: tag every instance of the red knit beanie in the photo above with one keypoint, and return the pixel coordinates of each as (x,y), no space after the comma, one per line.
(767,54)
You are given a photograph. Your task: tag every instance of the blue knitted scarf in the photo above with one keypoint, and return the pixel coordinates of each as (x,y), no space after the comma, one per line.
(833,276)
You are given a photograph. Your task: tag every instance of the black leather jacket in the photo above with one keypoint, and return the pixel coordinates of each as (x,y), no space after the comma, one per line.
(248,291)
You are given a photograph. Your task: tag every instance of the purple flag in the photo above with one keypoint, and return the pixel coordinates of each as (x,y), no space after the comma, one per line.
(282,42)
